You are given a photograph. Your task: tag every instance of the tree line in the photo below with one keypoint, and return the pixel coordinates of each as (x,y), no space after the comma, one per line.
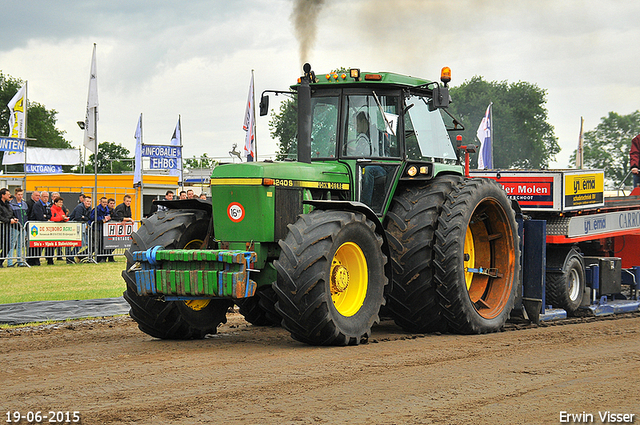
(523,137)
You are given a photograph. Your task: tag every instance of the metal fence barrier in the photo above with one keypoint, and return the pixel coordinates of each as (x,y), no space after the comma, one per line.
(14,247)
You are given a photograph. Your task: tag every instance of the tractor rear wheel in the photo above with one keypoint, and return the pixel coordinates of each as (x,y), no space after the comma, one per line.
(174,319)
(331,278)
(260,310)
(411,222)
(477,257)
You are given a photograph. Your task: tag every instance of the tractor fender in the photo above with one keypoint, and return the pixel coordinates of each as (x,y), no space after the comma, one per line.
(558,255)
(368,212)
(186,204)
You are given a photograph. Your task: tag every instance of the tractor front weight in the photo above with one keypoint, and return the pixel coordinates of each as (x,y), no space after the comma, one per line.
(183,274)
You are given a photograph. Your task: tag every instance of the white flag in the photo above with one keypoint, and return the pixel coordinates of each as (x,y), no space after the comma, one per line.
(137,166)
(485,156)
(91,120)
(176,140)
(250,127)
(17,116)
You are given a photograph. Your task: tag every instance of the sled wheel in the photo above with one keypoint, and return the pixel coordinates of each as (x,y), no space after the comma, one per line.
(565,289)
(330,278)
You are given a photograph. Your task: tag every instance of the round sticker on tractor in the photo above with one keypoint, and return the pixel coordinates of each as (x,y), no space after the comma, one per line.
(235,211)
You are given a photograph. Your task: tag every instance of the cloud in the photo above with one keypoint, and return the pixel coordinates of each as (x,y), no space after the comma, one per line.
(165,58)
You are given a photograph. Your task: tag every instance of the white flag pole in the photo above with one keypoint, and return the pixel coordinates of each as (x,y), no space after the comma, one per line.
(26,107)
(253,104)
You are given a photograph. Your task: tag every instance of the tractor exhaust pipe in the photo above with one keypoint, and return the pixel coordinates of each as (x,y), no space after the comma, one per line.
(304,115)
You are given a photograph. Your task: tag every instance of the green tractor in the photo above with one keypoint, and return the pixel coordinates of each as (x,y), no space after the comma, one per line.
(374,217)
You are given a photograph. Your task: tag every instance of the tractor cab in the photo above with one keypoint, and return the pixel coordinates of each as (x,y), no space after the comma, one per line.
(379,125)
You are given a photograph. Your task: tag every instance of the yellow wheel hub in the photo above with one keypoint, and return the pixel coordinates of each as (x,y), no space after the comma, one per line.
(339,277)
(196,305)
(348,279)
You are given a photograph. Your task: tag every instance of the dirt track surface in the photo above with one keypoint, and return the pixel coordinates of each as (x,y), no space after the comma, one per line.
(112,373)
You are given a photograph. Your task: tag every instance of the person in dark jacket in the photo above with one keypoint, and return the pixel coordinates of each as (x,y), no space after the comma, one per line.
(634,155)
(33,253)
(20,211)
(123,211)
(6,220)
(41,211)
(80,213)
(100,215)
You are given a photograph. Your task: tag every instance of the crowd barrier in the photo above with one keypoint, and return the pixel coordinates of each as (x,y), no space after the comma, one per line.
(72,242)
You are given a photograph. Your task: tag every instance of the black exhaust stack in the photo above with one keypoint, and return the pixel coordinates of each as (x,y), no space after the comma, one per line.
(304,115)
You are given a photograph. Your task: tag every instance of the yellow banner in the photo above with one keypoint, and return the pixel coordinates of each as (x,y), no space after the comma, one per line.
(583,188)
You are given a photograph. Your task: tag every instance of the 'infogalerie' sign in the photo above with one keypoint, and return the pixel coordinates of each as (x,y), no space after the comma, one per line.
(49,234)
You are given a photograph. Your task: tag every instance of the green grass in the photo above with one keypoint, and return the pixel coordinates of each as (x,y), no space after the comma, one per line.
(62,281)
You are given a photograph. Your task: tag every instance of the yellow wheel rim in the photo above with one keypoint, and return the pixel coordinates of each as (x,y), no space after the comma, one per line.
(488,244)
(469,257)
(195,305)
(348,279)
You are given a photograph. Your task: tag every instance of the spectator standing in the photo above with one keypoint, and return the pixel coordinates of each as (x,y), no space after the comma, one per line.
(99,215)
(111,204)
(80,213)
(123,211)
(183,195)
(190,194)
(32,257)
(6,220)
(58,215)
(21,212)
(634,155)
(57,210)
(167,197)
(35,197)
(41,211)
(53,197)
(203,196)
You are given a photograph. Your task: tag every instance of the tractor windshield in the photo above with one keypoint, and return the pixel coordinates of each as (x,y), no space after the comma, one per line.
(324,126)
(425,134)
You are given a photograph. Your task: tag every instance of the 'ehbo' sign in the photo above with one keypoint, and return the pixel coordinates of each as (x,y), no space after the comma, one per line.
(118,235)
(162,157)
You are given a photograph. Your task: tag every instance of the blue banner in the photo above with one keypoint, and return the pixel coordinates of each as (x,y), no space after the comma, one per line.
(10,144)
(161,151)
(43,169)
(157,163)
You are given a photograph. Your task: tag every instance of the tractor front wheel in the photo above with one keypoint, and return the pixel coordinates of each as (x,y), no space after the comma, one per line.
(174,319)
(331,278)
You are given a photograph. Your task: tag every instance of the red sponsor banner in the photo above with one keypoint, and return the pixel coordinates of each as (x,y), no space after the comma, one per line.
(537,191)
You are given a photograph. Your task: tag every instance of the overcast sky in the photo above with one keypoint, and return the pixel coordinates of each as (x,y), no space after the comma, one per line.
(166,58)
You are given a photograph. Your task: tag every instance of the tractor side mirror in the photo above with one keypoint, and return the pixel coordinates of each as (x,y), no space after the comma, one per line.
(264,105)
(440,97)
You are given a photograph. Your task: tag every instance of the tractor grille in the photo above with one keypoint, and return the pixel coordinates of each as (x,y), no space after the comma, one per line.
(288,207)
